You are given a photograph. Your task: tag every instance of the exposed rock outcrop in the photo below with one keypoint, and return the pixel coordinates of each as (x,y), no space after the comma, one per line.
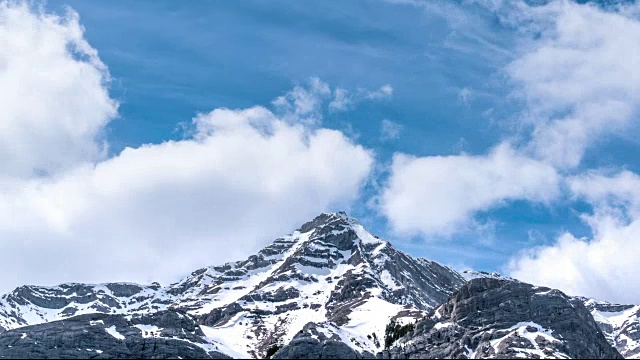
(496,318)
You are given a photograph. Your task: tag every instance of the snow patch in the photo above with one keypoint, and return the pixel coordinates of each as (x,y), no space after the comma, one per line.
(149,331)
(113,332)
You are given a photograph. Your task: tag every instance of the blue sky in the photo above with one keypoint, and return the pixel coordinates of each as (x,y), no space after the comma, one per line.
(514,147)
(171,60)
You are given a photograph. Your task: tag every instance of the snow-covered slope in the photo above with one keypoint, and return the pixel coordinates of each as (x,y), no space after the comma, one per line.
(331,272)
(619,323)
(471,274)
(29,305)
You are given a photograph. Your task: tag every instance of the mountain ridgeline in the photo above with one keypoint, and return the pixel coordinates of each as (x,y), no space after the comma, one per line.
(328,290)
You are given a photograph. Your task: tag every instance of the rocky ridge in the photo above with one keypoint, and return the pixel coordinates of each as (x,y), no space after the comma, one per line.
(166,334)
(330,289)
(498,318)
(330,273)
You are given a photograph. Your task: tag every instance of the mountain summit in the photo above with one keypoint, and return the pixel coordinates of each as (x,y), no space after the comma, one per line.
(331,274)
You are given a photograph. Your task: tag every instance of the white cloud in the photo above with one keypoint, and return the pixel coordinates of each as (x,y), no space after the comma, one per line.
(344,100)
(582,85)
(304,104)
(389,130)
(604,266)
(341,100)
(49,75)
(161,210)
(577,76)
(385,91)
(620,190)
(580,79)
(438,195)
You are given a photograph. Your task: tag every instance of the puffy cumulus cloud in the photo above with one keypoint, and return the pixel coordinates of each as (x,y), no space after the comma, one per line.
(438,195)
(164,209)
(55,104)
(621,190)
(158,211)
(575,73)
(581,84)
(603,266)
(579,78)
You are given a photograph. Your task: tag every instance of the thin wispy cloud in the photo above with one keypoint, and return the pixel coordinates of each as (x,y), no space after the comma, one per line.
(344,100)
(389,130)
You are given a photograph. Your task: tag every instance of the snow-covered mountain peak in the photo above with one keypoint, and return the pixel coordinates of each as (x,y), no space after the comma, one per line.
(330,285)
(331,273)
(324,219)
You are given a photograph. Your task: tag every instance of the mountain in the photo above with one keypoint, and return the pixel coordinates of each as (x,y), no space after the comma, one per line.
(330,275)
(330,289)
(499,318)
(330,272)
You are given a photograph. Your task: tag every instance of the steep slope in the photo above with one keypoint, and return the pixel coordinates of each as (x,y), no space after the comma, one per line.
(619,323)
(331,273)
(497,318)
(336,275)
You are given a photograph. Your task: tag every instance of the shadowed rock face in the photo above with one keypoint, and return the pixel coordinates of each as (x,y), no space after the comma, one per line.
(312,343)
(161,335)
(505,319)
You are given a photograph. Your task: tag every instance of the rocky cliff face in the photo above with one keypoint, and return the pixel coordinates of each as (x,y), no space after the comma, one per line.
(163,334)
(331,273)
(497,318)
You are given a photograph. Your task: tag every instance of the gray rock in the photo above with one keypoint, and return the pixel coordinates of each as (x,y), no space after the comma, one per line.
(310,343)
(221,315)
(86,336)
(308,348)
(487,309)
